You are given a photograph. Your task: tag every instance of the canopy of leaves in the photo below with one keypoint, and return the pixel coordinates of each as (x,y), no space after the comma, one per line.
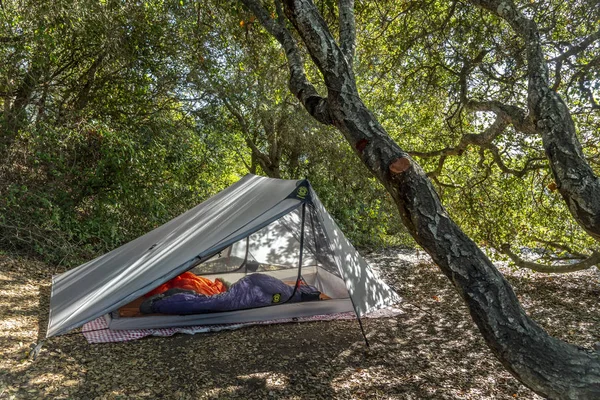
(117,116)
(430,70)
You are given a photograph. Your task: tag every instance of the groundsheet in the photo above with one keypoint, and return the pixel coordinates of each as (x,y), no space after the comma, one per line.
(97,331)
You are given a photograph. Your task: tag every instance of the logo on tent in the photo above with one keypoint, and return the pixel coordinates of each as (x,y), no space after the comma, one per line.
(302,192)
(276,297)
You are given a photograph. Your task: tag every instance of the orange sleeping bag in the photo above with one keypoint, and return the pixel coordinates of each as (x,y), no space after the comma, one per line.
(190,281)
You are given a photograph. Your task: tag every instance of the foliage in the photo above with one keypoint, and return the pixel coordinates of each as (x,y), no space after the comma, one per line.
(116,116)
(74,193)
(423,67)
(100,149)
(114,120)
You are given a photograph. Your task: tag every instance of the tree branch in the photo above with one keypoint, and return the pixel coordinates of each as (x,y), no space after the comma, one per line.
(483,139)
(83,96)
(438,169)
(578,48)
(591,261)
(321,45)
(347,30)
(513,115)
(466,69)
(575,179)
(529,164)
(298,83)
(561,246)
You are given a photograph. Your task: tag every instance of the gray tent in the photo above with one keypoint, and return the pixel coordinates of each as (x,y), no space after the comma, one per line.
(272,226)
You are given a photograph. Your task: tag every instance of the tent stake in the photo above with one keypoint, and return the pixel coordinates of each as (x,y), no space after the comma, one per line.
(35,349)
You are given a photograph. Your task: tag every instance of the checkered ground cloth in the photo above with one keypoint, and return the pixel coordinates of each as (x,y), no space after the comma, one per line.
(97,331)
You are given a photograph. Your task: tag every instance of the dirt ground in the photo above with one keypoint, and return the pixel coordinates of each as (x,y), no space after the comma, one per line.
(431,351)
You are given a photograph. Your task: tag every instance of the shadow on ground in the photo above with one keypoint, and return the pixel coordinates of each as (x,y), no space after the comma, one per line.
(432,351)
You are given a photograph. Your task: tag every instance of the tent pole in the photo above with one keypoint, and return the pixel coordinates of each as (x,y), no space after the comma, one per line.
(300,256)
(246,255)
(362,329)
(301,251)
(301,242)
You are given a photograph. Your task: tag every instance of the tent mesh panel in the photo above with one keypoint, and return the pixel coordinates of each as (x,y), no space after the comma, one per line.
(275,250)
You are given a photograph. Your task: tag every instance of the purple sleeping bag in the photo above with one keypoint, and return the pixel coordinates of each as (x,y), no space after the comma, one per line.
(255,290)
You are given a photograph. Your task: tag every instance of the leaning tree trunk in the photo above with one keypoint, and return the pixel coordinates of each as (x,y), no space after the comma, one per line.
(548,366)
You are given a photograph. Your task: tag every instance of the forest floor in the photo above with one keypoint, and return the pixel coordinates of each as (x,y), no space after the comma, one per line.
(431,351)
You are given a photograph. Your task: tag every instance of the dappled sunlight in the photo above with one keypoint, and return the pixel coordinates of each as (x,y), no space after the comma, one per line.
(431,351)
(368,292)
(19,319)
(12,324)
(546,298)
(114,279)
(272,380)
(258,221)
(49,378)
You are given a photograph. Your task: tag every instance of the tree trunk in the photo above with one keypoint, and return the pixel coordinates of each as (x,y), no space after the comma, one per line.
(575,179)
(545,364)
(16,117)
(548,366)
(83,97)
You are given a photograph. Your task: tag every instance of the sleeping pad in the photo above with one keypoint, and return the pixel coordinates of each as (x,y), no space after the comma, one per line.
(190,281)
(255,290)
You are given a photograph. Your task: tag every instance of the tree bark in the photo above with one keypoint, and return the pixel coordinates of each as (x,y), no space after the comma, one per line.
(575,179)
(545,364)
(588,262)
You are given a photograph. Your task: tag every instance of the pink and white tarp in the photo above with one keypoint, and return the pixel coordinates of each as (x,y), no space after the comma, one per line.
(97,331)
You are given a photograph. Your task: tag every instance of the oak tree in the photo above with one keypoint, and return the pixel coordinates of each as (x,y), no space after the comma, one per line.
(545,364)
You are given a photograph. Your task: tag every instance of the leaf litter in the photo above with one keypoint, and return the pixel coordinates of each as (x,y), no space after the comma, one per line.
(431,351)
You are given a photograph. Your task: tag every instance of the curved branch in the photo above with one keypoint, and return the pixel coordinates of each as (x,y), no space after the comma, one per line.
(575,179)
(482,140)
(299,83)
(562,247)
(519,173)
(438,169)
(591,261)
(585,43)
(514,115)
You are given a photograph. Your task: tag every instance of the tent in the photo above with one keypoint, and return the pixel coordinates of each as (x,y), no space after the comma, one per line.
(258,225)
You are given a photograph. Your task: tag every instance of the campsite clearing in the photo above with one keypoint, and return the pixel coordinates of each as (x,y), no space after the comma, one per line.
(432,351)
